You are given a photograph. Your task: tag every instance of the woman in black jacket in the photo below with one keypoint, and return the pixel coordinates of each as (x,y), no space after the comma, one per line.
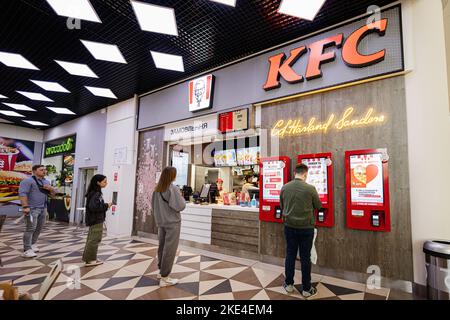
(95,217)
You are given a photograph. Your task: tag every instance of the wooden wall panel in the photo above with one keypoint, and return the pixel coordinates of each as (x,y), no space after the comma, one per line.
(235,229)
(339,247)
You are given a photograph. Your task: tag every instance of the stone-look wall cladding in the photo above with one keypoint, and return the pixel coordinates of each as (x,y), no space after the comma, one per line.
(149,167)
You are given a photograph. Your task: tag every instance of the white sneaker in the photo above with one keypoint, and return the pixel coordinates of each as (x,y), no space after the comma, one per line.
(35,248)
(93,263)
(158,276)
(165,282)
(29,254)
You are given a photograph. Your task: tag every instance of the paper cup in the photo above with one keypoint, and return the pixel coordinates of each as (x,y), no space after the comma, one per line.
(8,160)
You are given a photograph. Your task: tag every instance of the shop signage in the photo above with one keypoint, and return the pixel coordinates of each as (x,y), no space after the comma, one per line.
(204,126)
(59,147)
(233,121)
(281,65)
(297,127)
(201,91)
(353,52)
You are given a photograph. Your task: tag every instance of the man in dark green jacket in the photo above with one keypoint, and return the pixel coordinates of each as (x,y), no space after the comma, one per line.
(298,200)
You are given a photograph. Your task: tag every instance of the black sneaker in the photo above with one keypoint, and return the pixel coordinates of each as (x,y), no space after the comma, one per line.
(309,294)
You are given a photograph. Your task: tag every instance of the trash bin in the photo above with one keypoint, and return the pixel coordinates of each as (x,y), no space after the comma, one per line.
(437,261)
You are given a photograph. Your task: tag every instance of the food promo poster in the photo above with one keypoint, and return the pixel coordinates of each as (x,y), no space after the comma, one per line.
(366,180)
(16,162)
(318,176)
(273,179)
(225,158)
(248,156)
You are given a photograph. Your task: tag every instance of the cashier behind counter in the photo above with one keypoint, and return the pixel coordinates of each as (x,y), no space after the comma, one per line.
(250,187)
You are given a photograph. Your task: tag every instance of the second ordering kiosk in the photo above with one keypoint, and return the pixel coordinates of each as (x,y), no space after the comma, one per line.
(320,175)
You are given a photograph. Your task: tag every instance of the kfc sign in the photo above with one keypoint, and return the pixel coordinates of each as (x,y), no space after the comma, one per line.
(201,93)
(281,66)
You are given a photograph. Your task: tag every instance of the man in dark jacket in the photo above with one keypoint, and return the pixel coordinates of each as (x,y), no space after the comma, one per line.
(298,200)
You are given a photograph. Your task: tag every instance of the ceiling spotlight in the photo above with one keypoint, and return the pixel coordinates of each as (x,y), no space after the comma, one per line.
(35,96)
(16,61)
(168,61)
(104,51)
(101,92)
(60,110)
(303,9)
(77,69)
(155,18)
(50,86)
(79,9)
(11,113)
(231,3)
(35,123)
(16,106)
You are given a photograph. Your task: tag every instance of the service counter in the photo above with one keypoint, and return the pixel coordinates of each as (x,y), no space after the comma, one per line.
(222,225)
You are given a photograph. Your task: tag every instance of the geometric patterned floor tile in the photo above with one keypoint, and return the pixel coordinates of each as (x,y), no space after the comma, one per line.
(130,270)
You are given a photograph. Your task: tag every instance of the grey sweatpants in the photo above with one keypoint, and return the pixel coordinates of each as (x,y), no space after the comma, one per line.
(34,222)
(169,238)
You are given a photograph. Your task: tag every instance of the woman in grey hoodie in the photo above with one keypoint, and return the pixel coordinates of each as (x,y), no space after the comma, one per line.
(167,203)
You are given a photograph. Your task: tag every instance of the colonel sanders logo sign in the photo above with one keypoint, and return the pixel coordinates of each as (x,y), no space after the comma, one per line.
(201,93)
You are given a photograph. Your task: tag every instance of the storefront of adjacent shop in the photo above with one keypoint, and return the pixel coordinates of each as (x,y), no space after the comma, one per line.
(335,101)
(59,161)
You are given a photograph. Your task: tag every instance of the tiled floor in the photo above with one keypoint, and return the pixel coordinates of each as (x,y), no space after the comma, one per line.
(130,271)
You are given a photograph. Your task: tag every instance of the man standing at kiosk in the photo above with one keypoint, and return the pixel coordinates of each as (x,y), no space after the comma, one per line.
(298,201)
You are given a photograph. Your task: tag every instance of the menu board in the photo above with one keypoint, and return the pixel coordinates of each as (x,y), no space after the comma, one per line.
(180,160)
(225,158)
(273,179)
(366,180)
(318,176)
(248,156)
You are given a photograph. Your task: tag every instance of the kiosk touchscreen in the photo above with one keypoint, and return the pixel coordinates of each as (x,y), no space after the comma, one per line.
(367,181)
(320,175)
(274,173)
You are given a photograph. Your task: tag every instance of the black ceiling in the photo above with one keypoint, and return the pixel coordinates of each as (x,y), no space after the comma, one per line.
(209,35)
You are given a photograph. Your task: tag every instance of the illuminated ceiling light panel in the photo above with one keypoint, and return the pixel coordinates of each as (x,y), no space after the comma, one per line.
(60,110)
(11,113)
(50,86)
(35,96)
(16,106)
(231,3)
(79,9)
(35,123)
(101,92)
(3,97)
(155,18)
(77,69)
(16,60)
(104,51)
(168,61)
(303,9)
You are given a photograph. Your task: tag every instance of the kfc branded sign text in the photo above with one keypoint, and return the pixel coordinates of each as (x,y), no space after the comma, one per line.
(281,65)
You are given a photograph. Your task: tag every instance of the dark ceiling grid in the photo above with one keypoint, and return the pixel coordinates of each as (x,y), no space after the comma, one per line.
(210,35)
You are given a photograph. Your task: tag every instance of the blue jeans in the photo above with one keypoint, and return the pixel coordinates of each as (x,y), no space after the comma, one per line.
(33,226)
(298,240)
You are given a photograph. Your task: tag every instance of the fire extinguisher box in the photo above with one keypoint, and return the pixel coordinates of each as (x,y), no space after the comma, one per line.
(274,173)
(367,190)
(320,175)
